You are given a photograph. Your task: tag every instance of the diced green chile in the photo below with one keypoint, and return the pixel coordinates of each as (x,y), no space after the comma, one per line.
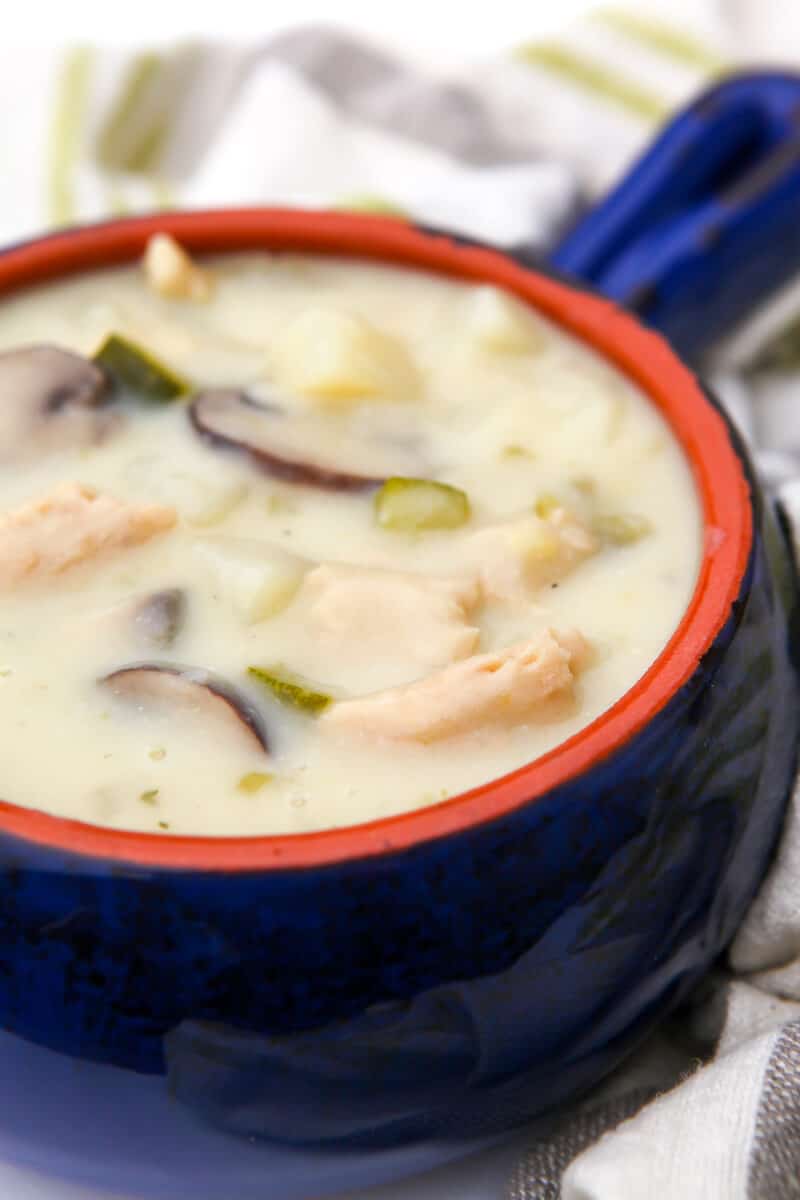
(621,529)
(137,369)
(291,691)
(416,505)
(253,782)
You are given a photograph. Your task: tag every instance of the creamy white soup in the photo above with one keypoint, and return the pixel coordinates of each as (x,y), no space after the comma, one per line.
(290,543)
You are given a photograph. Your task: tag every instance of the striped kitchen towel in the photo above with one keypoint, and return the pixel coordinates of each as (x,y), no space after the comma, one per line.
(505,150)
(500,149)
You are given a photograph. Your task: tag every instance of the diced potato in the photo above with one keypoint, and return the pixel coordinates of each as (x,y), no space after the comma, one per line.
(416,505)
(203,502)
(546,504)
(500,323)
(338,358)
(530,552)
(171,272)
(621,529)
(598,423)
(535,543)
(259,579)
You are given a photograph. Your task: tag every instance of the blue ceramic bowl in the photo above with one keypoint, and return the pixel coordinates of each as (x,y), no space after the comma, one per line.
(462,967)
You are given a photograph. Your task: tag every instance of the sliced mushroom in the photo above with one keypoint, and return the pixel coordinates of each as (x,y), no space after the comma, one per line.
(159,617)
(311,451)
(51,399)
(192,689)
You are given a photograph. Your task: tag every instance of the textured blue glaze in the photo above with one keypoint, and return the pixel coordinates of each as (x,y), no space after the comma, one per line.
(515,962)
(704,227)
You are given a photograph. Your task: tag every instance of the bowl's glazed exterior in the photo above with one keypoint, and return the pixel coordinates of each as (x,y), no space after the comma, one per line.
(464,966)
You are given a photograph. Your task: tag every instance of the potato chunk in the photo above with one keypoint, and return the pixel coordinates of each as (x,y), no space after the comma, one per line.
(69,526)
(501,688)
(201,500)
(500,323)
(257,578)
(170,271)
(338,358)
(373,628)
(523,555)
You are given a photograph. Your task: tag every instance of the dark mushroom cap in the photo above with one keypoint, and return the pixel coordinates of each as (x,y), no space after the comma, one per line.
(159,617)
(167,685)
(290,447)
(51,399)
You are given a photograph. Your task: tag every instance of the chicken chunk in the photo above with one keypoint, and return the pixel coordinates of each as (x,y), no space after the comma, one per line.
(530,553)
(70,525)
(373,628)
(500,323)
(501,688)
(170,271)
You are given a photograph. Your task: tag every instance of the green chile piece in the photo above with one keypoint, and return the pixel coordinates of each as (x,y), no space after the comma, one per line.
(416,505)
(291,691)
(137,369)
(622,529)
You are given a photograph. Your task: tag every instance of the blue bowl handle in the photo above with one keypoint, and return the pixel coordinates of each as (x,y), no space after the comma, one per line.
(707,222)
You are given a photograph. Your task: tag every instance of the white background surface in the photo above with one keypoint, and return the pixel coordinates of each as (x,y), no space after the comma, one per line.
(444,31)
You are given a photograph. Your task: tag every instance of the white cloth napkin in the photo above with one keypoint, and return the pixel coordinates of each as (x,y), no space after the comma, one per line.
(504,151)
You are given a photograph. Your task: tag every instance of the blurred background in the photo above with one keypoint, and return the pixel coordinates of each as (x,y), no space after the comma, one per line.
(494,118)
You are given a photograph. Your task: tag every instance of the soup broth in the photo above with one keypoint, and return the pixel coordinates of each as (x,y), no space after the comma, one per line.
(290,543)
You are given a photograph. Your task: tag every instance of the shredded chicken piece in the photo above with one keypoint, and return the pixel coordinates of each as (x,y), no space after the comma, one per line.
(373,628)
(171,272)
(69,525)
(524,555)
(504,687)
